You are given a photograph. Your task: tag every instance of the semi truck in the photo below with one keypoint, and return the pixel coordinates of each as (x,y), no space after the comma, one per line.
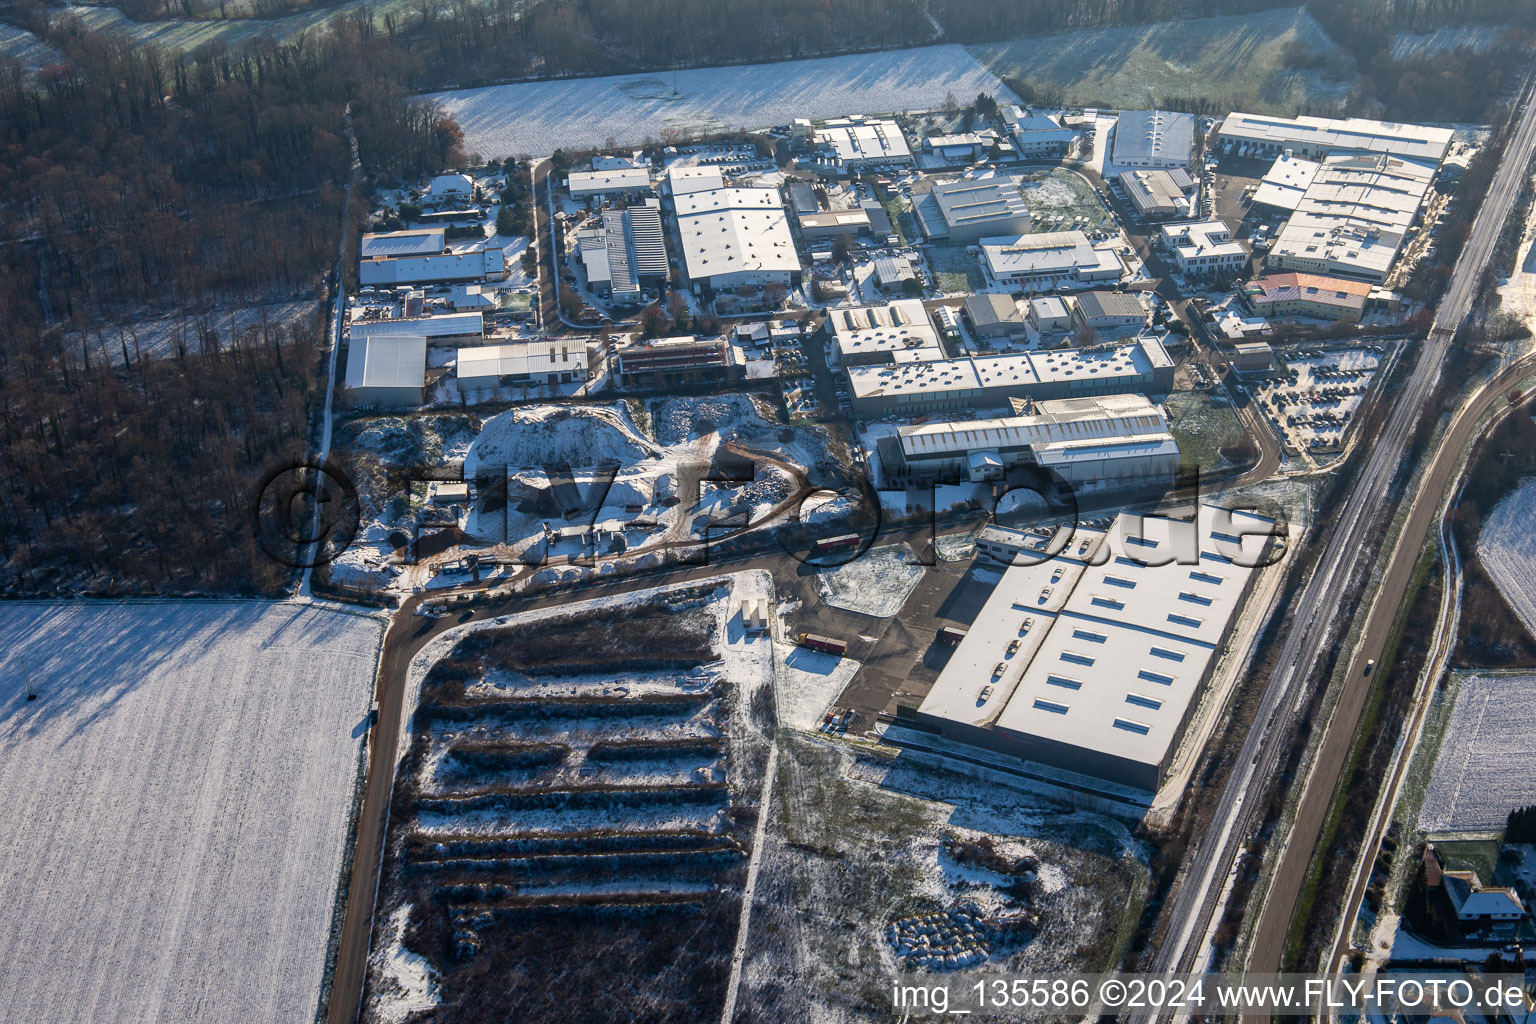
(825,644)
(843,542)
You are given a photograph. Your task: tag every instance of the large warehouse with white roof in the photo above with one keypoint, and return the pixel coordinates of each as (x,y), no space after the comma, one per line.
(1093,660)
(1316,137)
(856,144)
(1051,261)
(897,332)
(736,236)
(991,381)
(1127,434)
(1354,216)
(1153,138)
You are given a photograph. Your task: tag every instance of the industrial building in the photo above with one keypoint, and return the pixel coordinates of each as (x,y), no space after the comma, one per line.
(542,362)
(1037,136)
(989,382)
(1260,135)
(1093,660)
(898,332)
(892,274)
(1156,194)
(821,225)
(669,362)
(1153,138)
(1354,217)
(1051,261)
(1326,298)
(966,211)
(626,255)
(681,179)
(1252,357)
(1285,183)
(1203,248)
(955,148)
(1108,311)
(1049,314)
(387,269)
(443,329)
(388,371)
(470,298)
(993,316)
(736,236)
(1128,433)
(856,144)
(622,181)
(413,242)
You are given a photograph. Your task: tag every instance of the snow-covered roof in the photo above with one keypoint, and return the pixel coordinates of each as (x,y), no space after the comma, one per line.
(1286,181)
(901,326)
(1063,420)
(1162,136)
(1045,252)
(521,358)
(683,179)
(451,185)
(1133,363)
(857,141)
(447,325)
(415,242)
(1354,215)
(1355,134)
(397,361)
(624,179)
(1114,652)
(735,230)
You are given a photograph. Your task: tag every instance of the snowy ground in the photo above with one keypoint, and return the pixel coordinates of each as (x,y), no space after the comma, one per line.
(876,583)
(807,682)
(530,118)
(453,796)
(176,806)
(657,493)
(30,51)
(162,336)
(1506,546)
(1482,771)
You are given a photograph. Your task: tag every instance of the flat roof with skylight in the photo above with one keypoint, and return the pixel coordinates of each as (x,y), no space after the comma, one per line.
(1124,629)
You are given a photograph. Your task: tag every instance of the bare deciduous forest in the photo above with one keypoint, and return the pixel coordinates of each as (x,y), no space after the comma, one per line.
(132,179)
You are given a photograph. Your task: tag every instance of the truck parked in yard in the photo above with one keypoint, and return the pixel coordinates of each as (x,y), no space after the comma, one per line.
(825,644)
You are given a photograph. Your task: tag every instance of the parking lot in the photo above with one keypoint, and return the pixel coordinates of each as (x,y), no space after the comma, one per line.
(1315,400)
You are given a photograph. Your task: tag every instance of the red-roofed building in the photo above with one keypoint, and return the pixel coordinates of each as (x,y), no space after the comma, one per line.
(1328,298)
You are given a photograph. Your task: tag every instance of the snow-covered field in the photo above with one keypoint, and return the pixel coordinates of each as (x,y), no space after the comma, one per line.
(1507,548)
(176,806)
(534,118)
(1482,771)
(30,51)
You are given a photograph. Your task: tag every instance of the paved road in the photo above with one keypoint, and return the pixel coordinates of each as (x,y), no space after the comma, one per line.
(1438,480)
(1357,530)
